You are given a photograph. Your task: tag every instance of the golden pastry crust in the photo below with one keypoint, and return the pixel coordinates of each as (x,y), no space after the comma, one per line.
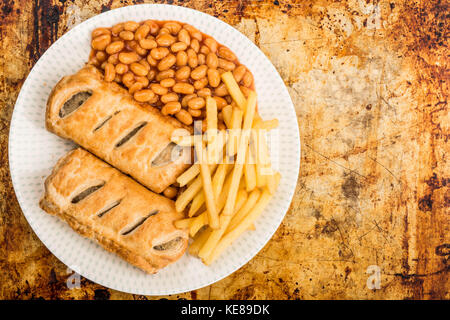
(102,123)
(119,213)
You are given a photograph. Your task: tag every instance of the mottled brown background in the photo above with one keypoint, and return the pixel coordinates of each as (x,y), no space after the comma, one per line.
(369,80)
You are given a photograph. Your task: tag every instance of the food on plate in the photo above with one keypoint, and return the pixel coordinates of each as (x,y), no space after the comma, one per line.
(170,65)
(232,181)
(103,118)
(136,105)
(103,204)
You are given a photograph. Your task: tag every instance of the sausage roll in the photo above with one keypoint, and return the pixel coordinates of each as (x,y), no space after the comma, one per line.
(103,118)
(103,204)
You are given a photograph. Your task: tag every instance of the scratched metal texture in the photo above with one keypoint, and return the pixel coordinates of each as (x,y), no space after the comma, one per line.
(369,80)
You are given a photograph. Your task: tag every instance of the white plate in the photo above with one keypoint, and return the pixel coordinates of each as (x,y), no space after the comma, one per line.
(33,152)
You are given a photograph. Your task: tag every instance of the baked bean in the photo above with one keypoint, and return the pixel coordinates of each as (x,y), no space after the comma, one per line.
(143,80)
(100,42)
(194,33)
(169,97)
(121,68)
(183,73)
(247,80)
(226,53)
(130,26)
(151,61)
(94,61)
(148,43)
(103,65)
(211,44)
(171,108)
(170,192)
(131,45)
(116,29)
(226,65)
(221,126)
(245,91)
(229,100)
(128,57)
(199,72)
(114,59)
(178,46)
(115,47)
(159,53)
(194,112)
(220,102)
(213,77)
(201,58)
(184,36)
(154,28)
(184,116)
(186,98)
(154,100)
(145,64)
(100,31)
(221,70)
(184,88)
(144,95)
(151,75)
(118,78)
(204,92)
(167,83)
(221,90)
(138,69)
(200,83)
(126,35)
(141,32)
(196,103)
(141,51)
(174,27)
(165,40)
(192,58)
(195,45)
(110,72)
(182,58)
(212,61)
(238,73)
(167,62)
(135,87)
(158,89)
(205,50)
(163,31)
(101,55)
(170,73)
(128,79)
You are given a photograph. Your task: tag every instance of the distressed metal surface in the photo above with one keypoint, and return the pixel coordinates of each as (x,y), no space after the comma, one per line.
(370,85)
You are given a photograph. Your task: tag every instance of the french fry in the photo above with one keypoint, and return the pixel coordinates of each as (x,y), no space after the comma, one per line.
(197,202)
(202,218)
(198,222)
(249,204)
(215,236)
(205,174)
(187,195)
(199,240)
(244,225)
(194,170)
(272,182)
(243,146)
(270,124)
(211,129)
(227,112)
(183,223)
(234,132)
(233,89)
(250,172)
